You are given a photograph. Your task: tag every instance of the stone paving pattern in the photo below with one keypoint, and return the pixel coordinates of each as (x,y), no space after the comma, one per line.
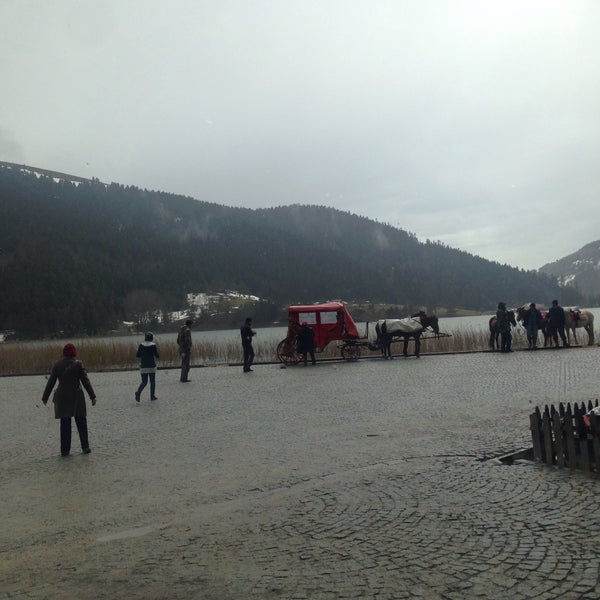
(375,479)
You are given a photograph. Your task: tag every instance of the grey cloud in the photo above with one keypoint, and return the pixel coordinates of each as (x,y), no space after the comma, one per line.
(461,121)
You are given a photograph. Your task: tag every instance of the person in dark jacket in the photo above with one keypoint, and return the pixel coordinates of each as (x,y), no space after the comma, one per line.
(532,321)
(69,400)
(247,334)
(147,352)
(556,323)
(503,324)
(184,341)
(305,343)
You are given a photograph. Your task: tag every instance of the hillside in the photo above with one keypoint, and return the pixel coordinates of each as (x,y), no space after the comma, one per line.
(580,269)
(78,256)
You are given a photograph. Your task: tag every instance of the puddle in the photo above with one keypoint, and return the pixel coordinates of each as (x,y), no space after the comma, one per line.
(519,457)
(129,533)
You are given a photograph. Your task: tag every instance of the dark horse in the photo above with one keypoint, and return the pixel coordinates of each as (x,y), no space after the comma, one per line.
(390,330)
(495,331)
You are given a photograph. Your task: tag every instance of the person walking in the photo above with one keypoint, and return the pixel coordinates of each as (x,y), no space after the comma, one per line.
(69,399)
(503,324)
(305,343)
(247,334)
(556,324)
(532,321)
(147,352)
(184,341)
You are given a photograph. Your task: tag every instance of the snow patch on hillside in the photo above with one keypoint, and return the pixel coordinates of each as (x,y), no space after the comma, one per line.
(204,302)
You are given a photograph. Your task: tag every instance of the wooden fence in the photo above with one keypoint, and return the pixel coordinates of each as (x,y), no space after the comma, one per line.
(562,436)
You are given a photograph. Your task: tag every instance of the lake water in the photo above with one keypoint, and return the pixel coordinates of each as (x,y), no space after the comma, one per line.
(276,334)
(449,325)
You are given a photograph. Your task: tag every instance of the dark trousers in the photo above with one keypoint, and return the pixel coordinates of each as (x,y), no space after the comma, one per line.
(555,332)
(145,377)
(312,357)
(248,356)
(505,341)
(65,434)
(185,366)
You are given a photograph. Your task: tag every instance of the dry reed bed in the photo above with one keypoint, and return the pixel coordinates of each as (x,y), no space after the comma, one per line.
(25,358)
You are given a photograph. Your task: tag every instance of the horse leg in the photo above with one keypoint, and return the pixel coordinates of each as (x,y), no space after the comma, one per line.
(389,348)
(381,343)
(590,332)
(418,346)
(405,346)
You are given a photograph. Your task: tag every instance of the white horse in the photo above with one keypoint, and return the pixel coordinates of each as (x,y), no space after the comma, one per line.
(390,330)
(575,318)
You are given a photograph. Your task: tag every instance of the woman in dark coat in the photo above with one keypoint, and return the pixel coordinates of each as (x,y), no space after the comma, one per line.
(69,400)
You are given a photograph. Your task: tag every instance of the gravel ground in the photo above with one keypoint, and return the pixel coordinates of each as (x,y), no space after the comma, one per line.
(374,479)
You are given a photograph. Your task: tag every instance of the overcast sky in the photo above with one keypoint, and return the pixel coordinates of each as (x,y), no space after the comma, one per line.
(472,122)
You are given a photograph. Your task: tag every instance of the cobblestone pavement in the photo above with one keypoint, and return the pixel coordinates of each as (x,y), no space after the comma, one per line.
(374,479)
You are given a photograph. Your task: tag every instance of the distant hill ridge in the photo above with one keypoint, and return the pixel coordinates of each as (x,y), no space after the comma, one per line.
(79,256)
(580,269)
(46,172)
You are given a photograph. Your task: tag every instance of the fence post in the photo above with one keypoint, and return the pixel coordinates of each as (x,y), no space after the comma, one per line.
(547,429)
(535,424)
(595,422)
(558,439)
(570,438)
(581,430)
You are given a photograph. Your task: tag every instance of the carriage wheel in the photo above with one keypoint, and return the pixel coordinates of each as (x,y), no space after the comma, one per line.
(350,352)
(286,352)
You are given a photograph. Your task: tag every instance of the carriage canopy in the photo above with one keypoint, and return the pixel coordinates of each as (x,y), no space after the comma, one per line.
(329,321)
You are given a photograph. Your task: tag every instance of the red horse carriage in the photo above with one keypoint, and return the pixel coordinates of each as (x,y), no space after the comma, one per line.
(329,322)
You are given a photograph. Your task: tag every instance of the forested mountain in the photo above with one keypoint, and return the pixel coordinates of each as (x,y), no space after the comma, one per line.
(580,269)
(79,256)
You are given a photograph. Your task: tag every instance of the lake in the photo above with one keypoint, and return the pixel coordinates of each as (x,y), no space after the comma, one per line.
(449,325)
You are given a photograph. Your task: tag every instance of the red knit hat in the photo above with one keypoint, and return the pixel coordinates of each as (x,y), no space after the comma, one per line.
(69,350)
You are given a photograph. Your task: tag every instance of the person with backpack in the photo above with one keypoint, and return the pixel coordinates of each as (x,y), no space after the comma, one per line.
(147,352)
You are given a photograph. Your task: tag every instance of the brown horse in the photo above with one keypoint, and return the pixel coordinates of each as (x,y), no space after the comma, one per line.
(495,331)
(391,330)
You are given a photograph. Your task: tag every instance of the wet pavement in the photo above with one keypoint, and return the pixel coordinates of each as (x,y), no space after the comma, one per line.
(375,479)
